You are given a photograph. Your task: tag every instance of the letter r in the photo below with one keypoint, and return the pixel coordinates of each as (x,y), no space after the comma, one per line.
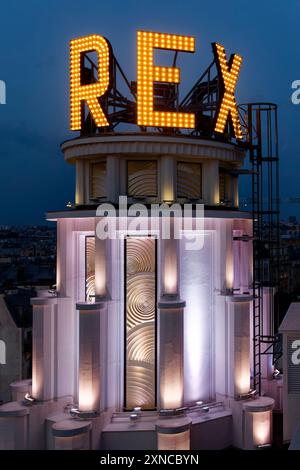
(89,93)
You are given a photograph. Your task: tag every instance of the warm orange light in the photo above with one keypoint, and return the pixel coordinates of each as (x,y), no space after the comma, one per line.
(262,425)
(148,73)
(228,75)
(91,92)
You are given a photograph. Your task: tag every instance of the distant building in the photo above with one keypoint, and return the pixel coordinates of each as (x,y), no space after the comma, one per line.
(10,351)
(290,257)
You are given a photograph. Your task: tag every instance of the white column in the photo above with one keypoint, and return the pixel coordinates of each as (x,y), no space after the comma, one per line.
(44,379)
(174,433)
(167,181)
(171,353)
(268,312)
(14,426)
(257,419)
(79,192)
(71,434)
(112,178)
(238,345)
(235,191)
(101,273)
(65,355)
(211,190)
(171,347)
(237,260)
(226,235)
(90,360)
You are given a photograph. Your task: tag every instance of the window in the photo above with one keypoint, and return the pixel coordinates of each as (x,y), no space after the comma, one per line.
(140,322)
(142,178)
(98,180)
(189,180)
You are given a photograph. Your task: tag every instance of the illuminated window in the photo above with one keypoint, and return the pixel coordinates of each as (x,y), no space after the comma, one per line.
(89,268)
(98,180)
(140,323)
(228,74)
(142,178)
(189,180)
(148,73)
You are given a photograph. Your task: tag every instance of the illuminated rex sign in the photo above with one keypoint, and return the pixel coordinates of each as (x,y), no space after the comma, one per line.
(155,91)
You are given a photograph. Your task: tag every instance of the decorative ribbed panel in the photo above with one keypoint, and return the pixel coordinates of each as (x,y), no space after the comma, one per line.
(140,322)
(89,267)
(98,180)
(189,180)
(142,178)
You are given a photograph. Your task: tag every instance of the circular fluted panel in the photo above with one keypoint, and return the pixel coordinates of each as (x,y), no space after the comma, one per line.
(90,286)
(140,299)
(90,248)
(140,380)
(141,343)
(142,182)
(140,255)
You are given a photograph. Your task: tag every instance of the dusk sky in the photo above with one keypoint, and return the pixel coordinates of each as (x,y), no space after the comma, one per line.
(34,63)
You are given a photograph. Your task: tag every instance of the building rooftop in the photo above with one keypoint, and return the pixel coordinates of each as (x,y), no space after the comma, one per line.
(291,321)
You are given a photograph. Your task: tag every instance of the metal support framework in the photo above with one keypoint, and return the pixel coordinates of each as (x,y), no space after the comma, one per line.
(261,133)
(117,106)
(202,99)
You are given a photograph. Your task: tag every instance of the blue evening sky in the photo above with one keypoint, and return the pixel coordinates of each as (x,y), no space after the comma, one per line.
(34,59)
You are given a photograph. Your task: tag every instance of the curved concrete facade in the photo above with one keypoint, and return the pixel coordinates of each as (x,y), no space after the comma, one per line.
(115,151)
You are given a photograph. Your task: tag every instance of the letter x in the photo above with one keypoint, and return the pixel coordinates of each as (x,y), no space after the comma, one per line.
(228,76)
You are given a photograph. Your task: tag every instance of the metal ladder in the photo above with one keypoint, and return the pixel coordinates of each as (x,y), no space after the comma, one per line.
(259,122)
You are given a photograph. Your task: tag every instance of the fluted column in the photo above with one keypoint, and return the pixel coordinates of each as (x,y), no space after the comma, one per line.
(167,175)
(90,363)
(80,186)
(171,309)
(44,383)
(112,178)
(238,360)
(211,190)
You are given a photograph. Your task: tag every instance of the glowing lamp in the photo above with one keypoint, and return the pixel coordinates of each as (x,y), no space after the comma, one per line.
(89,356)
(258,423)
(171,351)
(173,433)
(72,434)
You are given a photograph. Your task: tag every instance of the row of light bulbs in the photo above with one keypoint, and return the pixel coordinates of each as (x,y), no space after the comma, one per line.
(89,92)
(228,105)
(147,73)
(166,41)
